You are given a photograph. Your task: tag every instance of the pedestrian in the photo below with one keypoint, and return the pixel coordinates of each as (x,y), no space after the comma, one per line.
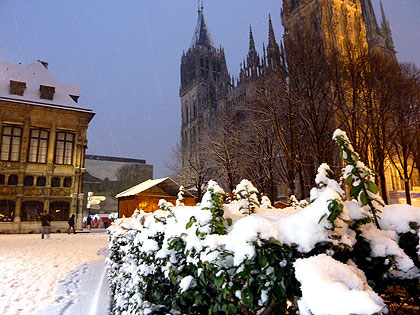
(45,222)
(89,222)
(71,224)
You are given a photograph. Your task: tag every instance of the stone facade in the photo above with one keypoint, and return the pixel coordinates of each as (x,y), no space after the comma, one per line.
(43,139)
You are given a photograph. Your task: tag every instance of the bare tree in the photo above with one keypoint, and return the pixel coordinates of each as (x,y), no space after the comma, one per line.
(191,169)
(404,147)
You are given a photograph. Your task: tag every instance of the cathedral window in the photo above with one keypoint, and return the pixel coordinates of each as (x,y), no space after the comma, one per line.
(10,143)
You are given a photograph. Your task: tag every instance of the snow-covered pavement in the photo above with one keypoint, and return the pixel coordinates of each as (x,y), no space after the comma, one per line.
(62,274)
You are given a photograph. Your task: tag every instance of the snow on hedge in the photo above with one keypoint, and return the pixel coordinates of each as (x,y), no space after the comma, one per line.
(240,257)
(331,287)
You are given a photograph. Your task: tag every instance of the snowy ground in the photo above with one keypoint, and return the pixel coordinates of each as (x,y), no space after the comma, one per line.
(63,274)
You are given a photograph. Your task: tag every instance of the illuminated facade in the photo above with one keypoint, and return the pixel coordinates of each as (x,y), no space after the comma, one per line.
(43,138)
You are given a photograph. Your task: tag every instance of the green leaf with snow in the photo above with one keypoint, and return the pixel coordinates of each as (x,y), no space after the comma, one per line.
(363,198)
(371,186)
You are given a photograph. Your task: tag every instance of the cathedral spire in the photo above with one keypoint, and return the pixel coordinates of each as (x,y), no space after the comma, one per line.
(251,40)
(273,50)
(368,15)
(202,36)
(271,36)
(386,30)
(253,59)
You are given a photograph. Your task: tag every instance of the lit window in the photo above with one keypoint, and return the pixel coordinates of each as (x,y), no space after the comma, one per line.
(38,146)
(10,143)
(64,148)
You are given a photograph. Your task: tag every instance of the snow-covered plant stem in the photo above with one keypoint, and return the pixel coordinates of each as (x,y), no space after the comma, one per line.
(248,193)
(359,177)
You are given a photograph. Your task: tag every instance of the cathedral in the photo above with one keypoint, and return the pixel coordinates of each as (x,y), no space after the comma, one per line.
(206,85)
(207,88)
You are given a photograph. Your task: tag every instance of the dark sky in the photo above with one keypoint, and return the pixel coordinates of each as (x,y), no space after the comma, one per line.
(125,56)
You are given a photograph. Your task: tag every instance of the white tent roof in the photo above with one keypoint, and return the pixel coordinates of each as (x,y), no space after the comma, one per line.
(167,183)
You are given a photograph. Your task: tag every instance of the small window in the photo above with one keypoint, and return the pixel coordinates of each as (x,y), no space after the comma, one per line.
(2,178)
(13,180)
(41,181)
(67,182)
(46,92)
(17,88)
(28,181)
(55,182)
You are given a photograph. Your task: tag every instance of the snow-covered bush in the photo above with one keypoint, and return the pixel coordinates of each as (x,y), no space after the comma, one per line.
(181,193)
(327,257)
(246,193)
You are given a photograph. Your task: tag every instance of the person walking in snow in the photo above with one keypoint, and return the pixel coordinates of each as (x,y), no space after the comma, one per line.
(89,222)
(45,223)
(71,224)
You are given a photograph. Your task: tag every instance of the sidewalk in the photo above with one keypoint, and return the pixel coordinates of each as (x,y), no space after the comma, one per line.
(84,291)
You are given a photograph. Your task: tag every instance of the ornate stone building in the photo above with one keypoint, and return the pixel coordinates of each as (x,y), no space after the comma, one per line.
(42,148)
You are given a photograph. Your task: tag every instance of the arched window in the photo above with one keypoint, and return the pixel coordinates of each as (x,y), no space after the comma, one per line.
(60,210)
(7,210)
(31,210)
(2,178)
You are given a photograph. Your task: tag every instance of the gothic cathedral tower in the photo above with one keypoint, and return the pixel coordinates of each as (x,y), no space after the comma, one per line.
(204,81)
(335,21)
(339,22)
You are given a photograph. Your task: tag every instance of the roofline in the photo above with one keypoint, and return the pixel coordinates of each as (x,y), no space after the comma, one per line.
(57,106)
(94,157)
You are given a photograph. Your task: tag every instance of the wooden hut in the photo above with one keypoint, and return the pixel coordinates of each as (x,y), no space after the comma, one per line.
(146,195)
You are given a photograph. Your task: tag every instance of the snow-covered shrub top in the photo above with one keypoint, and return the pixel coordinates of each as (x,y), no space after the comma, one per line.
(246,193)
(331,287)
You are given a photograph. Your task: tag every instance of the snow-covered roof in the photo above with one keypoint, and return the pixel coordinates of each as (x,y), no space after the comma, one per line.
(166,183)
(202,36)
(34,75)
